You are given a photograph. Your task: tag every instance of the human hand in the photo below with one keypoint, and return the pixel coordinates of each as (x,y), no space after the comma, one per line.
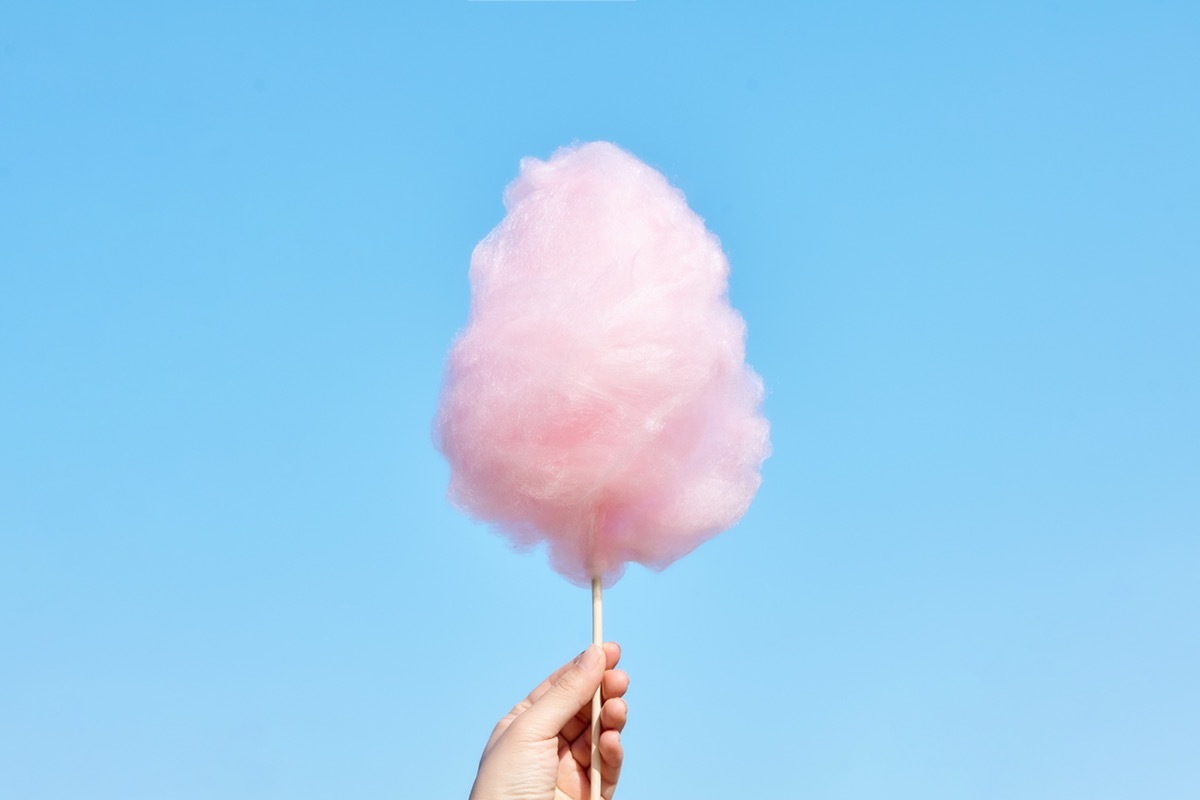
(542,749)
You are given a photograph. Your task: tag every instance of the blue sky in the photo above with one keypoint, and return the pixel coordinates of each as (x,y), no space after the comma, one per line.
(233,252)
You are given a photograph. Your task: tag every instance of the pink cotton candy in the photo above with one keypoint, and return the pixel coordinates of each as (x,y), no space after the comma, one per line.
(598,399)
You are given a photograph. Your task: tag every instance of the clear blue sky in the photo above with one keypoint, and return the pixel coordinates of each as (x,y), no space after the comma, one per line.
(233,252)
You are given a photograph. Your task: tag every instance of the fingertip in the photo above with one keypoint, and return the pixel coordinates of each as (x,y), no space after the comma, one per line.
(591,658)
(610,748)
(616,683)
(614,714)
(612,652)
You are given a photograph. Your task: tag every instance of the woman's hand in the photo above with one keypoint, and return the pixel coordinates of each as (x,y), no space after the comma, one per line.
(542,749)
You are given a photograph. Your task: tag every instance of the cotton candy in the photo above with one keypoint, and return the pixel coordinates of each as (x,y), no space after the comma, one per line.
(598,400)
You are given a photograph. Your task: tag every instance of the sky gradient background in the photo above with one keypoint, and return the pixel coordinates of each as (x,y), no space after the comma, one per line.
(233,253)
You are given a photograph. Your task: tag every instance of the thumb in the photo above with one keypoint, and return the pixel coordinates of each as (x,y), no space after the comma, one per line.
(562,701)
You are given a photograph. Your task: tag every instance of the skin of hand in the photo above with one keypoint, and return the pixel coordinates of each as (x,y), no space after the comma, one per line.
(542,749)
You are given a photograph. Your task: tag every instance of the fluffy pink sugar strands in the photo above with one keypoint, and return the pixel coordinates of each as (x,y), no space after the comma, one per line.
(598,399)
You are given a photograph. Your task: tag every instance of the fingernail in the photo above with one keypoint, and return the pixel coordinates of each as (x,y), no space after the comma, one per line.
(589,658)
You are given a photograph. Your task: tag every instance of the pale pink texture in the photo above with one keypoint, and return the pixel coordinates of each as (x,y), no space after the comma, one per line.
(598,399)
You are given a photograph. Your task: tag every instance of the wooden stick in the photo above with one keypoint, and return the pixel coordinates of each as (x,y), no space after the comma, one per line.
(597,638)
